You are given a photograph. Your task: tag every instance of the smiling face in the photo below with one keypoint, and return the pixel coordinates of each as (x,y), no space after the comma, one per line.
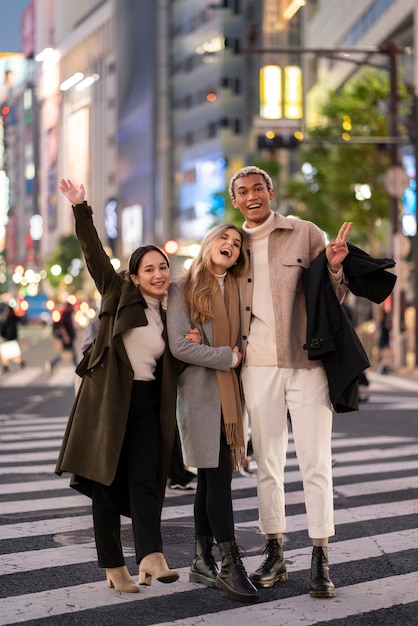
(225,251)
(252,198)
(153,275)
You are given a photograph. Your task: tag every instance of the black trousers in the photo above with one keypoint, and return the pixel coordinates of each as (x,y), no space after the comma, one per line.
(213,512)
(136,477)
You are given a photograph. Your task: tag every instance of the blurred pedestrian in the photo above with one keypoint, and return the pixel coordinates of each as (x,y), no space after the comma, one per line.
(209,405)
(385,327)
(64,331)
(120,433)
(10,349)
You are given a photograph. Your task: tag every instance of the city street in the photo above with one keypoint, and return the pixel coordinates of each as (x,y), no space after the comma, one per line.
(48,569)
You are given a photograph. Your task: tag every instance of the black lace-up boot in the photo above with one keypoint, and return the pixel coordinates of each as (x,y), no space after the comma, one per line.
(233,578)
(203,569)
(273,568)
(321,584)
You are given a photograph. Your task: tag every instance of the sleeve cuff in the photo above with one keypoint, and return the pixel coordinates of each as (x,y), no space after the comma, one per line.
(338,275)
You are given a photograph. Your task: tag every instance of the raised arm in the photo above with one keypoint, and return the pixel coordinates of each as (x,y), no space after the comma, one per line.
(75,196)
(98,262)
(337,250)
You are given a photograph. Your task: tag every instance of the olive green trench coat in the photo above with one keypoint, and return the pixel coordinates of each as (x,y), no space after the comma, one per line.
(94,435)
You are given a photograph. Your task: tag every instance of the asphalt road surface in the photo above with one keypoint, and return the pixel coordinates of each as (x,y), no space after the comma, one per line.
(48,570)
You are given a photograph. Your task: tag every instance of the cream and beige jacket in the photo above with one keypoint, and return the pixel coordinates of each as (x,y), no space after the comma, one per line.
(292,245)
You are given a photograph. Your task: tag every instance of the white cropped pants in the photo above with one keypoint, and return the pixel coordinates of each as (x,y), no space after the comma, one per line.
(268,393)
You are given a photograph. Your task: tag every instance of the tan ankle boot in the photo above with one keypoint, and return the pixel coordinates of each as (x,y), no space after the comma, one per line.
(119,578)
(155,565)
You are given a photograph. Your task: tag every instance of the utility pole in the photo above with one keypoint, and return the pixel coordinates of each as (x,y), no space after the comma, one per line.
(397,336)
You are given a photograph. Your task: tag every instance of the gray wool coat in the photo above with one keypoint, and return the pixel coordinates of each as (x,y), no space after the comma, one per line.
(198,402)
(96,427)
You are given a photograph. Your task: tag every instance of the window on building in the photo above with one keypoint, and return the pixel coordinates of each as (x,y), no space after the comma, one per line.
(212,129)
(189,213)
(189,138)
(189,176)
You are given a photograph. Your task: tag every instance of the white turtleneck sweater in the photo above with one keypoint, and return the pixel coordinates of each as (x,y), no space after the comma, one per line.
(261,347)
(144,344)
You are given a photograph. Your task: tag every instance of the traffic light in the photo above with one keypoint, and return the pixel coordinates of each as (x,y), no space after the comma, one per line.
(267,142)
(8,114)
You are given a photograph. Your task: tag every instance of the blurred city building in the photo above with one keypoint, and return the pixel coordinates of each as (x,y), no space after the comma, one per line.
(386,33)
(153,104)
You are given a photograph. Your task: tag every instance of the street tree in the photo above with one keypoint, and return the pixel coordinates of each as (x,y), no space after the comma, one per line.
(68,256)
(341,175)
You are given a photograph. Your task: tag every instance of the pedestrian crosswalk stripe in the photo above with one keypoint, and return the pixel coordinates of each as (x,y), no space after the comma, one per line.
(296,560)
(356,600)
(63,376)
(394,484)
(59,534)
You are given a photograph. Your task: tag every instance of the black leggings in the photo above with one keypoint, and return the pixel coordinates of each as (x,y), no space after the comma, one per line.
(213,511)
(136,477)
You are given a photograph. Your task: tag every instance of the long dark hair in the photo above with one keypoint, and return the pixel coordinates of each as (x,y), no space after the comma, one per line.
(138,254)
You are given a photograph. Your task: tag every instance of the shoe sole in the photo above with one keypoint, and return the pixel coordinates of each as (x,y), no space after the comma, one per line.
(323,594)
(280,578)
(168,579)
(194,577)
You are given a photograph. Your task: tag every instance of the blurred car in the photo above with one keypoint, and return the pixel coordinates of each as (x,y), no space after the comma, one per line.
(37,308)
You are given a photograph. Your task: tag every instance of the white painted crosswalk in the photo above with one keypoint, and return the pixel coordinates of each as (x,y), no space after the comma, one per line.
(46,532)
(61,376)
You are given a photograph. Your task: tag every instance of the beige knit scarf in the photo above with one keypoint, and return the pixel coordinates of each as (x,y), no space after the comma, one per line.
(225,325)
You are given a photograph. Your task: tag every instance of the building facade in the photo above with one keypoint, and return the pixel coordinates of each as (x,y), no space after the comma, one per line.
(169,104)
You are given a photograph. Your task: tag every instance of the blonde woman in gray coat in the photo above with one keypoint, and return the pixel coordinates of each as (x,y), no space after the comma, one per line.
(209,406)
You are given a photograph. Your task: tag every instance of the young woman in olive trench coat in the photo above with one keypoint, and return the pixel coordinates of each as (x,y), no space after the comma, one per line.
(107,465)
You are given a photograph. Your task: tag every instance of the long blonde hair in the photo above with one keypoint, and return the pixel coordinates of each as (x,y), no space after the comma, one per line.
(200,283)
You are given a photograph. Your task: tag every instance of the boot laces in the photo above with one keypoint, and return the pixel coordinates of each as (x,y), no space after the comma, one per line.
(320,566)
(208,557)
(236,560)
(272,554)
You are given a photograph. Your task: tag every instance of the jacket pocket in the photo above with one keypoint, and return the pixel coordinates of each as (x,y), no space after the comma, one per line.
(293,267)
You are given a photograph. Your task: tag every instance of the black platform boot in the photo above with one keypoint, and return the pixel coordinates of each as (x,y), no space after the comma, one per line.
(321,584)
(203,569)
(233,578)
(273,568)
